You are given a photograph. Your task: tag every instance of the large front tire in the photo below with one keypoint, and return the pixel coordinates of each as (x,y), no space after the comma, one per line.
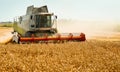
(16,38)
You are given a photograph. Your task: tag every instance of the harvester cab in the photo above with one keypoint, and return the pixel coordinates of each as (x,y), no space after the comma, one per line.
(39,25)
(37,21)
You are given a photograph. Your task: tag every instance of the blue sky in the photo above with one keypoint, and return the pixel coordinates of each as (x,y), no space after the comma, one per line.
(88,10)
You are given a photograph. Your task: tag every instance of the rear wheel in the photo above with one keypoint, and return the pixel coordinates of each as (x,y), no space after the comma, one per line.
(53,31)
(27,34)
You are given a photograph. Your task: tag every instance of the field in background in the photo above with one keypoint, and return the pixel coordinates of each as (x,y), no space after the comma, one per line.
(100,53)
(6,25)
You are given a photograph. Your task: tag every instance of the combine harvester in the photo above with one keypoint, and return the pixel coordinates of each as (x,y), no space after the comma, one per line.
(38,25)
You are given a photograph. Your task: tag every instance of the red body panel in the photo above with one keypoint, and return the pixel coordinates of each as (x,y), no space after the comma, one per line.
(81,37)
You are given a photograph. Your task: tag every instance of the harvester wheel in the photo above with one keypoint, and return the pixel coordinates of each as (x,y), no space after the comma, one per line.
(16,38)
(53,31)
(28,34)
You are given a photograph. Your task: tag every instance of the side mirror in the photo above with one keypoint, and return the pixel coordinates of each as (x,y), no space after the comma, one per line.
(55,16)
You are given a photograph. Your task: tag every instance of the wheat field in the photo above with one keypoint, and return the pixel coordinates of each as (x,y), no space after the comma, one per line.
(88,56)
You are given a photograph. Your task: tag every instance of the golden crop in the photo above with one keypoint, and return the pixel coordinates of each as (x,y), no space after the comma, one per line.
(88,56)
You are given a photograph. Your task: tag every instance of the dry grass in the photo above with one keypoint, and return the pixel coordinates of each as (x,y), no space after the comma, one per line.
(89,56)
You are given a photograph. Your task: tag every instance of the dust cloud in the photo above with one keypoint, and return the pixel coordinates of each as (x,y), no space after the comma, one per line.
(90,28)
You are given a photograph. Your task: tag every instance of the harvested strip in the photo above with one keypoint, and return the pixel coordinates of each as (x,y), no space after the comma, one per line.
(5,38)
